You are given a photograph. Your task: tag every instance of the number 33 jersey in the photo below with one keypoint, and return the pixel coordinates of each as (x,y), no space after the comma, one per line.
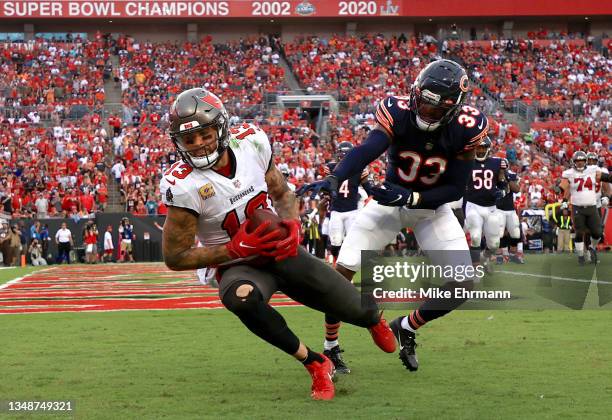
(583,185)
(223,202)
(418,159)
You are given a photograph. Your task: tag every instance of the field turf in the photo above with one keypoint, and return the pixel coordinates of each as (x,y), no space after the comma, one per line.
(204,364)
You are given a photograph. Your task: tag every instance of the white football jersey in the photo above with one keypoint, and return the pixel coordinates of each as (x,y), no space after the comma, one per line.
(582,185)
(223,203)
(598,186)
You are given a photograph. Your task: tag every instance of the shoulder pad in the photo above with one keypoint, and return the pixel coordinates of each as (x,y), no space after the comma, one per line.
(470,126)
(251,134)
(567,173)
(390,110)
(174,192)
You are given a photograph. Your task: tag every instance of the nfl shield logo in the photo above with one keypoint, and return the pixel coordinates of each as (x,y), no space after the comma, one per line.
(237,183)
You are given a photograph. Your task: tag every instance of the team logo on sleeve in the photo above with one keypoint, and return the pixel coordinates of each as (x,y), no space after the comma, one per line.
(206,191)
(169,195)
(236,183)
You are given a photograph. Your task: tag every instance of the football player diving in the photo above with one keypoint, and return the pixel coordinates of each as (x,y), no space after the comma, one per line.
(224,176)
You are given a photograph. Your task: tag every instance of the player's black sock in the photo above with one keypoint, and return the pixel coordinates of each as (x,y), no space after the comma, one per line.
(335,250)
(475,254)
(332,325)
(260,318)
(436,308)
(312,357)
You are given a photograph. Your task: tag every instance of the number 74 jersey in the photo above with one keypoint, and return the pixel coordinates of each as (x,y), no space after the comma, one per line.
(583,185)
(223,202)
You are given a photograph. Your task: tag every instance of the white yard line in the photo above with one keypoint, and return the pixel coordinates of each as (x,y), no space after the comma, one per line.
(543,276)
(18,279)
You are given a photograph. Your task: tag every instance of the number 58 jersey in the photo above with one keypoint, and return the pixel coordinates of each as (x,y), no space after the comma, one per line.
(583,185)
(223,202)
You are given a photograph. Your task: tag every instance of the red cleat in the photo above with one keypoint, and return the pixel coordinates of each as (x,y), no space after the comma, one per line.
(322,374)
(383,336)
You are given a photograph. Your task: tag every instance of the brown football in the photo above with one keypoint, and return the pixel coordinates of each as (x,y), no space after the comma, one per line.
(261,215)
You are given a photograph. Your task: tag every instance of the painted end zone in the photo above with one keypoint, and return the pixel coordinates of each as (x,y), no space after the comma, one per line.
(111,287)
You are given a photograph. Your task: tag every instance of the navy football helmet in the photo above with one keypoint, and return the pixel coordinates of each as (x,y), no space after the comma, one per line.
(437,94)
(343,149)
(483,149)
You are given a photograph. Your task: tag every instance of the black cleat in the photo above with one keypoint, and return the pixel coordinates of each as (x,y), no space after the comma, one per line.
(407,345)
(336,358)
(581,260)
(593,253)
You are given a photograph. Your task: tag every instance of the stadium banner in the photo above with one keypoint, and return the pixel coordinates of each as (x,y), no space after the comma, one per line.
(118,9)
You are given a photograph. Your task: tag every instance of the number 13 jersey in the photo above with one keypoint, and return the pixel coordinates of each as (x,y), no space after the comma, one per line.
(223,202)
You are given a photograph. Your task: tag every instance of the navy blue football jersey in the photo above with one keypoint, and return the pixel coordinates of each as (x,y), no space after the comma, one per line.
(348,191)
(482,187)
(418,159)
(507,201)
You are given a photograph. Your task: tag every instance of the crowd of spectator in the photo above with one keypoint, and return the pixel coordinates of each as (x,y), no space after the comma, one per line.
(563,81)
(42,80)
(53,171)
(62,168)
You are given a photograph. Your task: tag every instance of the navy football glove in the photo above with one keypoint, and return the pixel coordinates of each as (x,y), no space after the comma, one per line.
(393,195)
(328,184)
(499,194)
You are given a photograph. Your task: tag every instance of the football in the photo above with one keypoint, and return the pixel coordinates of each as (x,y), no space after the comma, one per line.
(261,215)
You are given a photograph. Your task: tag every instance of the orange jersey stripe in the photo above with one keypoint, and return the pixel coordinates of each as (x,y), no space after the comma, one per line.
(387,114)
(384,123)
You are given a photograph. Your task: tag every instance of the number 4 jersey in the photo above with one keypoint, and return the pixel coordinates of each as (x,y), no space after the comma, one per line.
(418,159)
(583,185)
(223,202)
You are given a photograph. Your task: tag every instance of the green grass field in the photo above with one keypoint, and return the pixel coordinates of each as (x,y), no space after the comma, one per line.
(8,274)
(205,364)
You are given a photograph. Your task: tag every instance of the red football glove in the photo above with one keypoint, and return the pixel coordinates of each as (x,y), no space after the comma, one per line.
(288,247)
(245,244)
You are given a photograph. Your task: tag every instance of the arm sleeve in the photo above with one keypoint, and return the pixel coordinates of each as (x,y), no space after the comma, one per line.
(457,177)
(359,157)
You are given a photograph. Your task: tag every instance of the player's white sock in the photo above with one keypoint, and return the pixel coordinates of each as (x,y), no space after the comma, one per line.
(405,325)
(594,242)
(505,251)
(580,249)
(519,248)
(328,345)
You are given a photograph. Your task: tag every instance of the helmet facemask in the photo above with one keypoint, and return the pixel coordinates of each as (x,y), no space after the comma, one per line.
(482,152)
(582,162)
(592,159)
(198,157)
(431,110)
